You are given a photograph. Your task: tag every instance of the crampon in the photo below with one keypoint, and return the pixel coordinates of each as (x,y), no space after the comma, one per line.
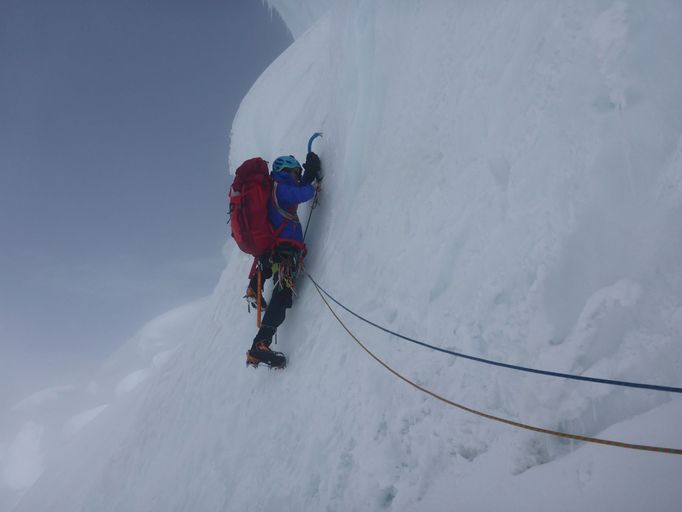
(260,353)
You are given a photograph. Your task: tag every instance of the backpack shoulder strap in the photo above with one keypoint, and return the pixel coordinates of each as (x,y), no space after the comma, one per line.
(288,216)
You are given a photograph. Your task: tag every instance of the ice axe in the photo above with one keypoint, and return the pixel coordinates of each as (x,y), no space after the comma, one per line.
(319,178)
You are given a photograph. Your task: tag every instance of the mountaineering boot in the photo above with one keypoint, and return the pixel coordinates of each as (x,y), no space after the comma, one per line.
(260,353)
(252,299)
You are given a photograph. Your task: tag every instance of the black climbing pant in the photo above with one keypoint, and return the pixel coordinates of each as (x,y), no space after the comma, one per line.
(282,299)
(286,261)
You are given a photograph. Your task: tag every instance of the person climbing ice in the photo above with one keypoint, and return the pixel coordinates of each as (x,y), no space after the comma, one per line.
(291,187)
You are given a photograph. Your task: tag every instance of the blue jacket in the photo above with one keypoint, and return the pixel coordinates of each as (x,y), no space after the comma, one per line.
(289,195)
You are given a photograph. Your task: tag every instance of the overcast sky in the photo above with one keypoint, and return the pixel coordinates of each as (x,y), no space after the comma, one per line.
(114,136)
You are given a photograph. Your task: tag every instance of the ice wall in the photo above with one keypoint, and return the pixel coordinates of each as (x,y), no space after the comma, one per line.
(502,179)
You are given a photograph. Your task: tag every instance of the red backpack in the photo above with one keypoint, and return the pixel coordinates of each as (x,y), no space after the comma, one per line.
(249,196)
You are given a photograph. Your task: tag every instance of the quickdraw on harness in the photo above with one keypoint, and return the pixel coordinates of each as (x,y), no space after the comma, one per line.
(287,263)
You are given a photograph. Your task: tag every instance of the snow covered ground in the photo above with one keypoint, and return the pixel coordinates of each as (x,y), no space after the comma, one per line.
(503,179)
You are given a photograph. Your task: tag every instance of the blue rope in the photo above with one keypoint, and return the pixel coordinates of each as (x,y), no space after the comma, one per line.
(497,363)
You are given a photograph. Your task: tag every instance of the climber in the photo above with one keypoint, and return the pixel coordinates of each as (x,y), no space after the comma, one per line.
(282,264)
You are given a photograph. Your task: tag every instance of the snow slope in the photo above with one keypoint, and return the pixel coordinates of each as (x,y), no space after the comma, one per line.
(503,179)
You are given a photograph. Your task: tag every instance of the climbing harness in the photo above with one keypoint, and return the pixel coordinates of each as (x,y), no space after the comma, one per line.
(654,387)
(565,435)
(286,265)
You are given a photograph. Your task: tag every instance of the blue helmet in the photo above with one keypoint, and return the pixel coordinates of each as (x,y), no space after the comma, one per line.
(285,163)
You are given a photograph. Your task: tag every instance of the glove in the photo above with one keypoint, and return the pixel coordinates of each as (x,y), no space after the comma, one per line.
(312,168)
